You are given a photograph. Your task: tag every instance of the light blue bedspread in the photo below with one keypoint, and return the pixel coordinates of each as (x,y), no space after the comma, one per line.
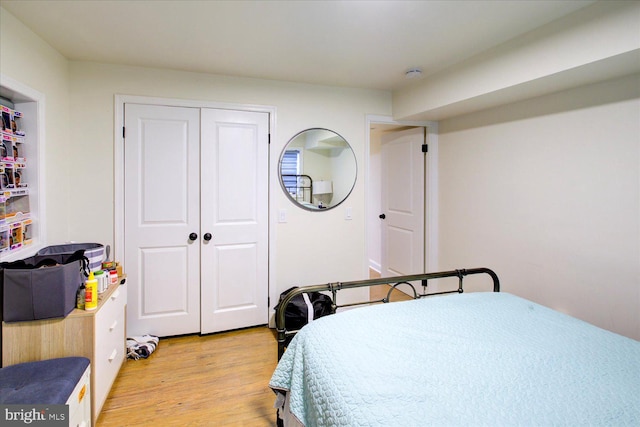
(471,359)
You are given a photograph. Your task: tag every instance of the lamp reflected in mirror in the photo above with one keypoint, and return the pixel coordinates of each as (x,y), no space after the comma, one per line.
(317,169)
(322,191)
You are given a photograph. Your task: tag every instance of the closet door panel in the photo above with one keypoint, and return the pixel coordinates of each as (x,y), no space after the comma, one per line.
(163,264)
(241,289)
(162,208)
(234,211)
(236,201)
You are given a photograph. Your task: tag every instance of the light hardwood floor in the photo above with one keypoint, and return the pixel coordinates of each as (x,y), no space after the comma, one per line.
(376,293)
(211,380)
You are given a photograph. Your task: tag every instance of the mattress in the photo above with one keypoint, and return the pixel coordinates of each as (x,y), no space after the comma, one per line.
(468,359)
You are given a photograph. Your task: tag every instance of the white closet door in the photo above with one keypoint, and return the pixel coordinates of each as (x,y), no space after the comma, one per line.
(403,187)
(162,190)
(234,209)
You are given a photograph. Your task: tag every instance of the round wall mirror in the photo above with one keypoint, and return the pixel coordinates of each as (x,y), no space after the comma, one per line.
(317,169)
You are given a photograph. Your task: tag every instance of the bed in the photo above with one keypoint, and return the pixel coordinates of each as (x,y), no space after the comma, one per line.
(299,187)
(479,358)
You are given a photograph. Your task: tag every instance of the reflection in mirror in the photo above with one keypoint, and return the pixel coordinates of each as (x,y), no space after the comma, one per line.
(317,169)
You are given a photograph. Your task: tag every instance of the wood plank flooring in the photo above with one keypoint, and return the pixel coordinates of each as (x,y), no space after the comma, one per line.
(376,293)
(212,380)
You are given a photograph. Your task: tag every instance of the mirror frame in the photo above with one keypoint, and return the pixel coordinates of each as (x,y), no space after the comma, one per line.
(282,184)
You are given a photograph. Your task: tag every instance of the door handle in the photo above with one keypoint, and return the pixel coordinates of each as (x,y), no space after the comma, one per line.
(207,237)
(193,236)
(382,216)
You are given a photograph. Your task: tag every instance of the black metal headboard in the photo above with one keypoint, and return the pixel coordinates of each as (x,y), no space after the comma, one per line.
(284,335)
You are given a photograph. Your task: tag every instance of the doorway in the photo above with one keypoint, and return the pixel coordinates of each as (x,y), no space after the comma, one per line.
(402,218)
(383,125)
(195,218)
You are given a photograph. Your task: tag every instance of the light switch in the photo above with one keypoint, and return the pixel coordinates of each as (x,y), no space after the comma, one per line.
(282,215)
(348,213)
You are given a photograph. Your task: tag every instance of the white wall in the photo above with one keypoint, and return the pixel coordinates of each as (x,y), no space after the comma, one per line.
(547,193)
(312,247)
(27,59)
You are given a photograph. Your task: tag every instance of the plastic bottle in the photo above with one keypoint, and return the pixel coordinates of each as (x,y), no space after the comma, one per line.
(81,296)
(91,293)
(99,275)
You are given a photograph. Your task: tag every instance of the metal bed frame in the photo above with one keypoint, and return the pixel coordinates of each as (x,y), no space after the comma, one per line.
(303,182)
(284,336)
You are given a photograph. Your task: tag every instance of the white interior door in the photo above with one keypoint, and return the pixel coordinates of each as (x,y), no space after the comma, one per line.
(162,190)
(235,190)
(403,202)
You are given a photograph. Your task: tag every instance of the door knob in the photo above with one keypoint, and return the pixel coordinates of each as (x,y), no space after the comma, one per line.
(207,237)
(382,216)
(193,236)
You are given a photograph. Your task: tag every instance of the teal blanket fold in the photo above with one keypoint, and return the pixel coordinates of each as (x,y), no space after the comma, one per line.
(481,359)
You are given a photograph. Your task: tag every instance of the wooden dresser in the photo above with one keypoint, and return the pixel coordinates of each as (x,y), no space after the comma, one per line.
(98,335)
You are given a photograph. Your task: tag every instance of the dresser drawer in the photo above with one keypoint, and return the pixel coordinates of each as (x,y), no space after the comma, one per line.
(109,344)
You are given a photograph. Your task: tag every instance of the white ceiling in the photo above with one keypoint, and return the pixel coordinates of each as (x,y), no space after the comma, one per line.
(367,44)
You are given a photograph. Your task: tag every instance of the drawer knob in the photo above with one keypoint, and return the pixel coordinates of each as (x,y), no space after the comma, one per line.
(113,326)
(113,355)
(115,295)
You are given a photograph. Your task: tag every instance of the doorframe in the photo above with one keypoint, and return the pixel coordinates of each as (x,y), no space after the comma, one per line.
(118,166)
(431,189)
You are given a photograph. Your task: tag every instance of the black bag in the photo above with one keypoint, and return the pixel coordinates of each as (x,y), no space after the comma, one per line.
(297,314)
(41,287)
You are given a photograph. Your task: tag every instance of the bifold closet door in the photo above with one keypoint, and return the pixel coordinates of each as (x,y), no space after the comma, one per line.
(234,168)
(162,219)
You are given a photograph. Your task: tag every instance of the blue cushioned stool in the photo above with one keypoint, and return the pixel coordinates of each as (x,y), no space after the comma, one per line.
(49,382)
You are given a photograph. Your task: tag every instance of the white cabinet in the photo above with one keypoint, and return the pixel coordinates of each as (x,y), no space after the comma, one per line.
(79,401)
(109,344)
(98,335)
